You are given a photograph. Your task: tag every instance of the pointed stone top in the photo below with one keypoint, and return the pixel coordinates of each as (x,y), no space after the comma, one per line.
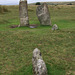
(23,0)
(36,50)
(37,53)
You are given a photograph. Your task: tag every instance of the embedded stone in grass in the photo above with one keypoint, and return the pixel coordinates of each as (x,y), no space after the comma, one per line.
(55,27)
(43,14)
(23,9)
(33,26)
(39,67)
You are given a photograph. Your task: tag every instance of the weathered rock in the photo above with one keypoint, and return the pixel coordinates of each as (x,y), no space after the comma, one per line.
(43,14)
(55,27)
(39,67)
(33,26)
(23,9)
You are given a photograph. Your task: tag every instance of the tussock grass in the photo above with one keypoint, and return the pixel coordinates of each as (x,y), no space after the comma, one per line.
(3,9)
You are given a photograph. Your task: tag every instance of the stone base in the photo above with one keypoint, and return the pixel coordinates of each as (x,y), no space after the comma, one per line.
(24,22)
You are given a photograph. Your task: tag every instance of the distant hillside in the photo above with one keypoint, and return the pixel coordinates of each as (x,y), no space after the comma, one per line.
(57,3)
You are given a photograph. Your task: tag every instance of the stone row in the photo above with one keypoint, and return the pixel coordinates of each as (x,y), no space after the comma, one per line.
(42,13)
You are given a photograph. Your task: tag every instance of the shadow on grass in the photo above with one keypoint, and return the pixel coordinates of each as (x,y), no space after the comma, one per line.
(26,27)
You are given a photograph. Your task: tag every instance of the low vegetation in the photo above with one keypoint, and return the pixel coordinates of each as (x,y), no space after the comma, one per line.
(3,9)
(57,47)
(57,3)
(38,3)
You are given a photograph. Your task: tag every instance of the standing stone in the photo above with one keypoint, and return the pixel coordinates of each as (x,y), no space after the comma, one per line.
(39,67)
(55,27)
(43,14)
(23,9)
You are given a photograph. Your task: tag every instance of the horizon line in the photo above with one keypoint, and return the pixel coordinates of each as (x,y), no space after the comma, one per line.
(34,2)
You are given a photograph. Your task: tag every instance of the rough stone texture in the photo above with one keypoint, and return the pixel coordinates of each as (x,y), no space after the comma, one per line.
(55,27)
(43,14)
(23,9)
(39,67)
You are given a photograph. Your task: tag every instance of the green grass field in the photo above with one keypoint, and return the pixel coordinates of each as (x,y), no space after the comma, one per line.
(57,47)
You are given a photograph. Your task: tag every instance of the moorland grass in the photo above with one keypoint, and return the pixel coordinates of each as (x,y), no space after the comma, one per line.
(3,9)
(57,47)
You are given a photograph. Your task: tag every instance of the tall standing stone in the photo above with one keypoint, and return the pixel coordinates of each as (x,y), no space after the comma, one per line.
(39,67)
(43,14)
(23,9)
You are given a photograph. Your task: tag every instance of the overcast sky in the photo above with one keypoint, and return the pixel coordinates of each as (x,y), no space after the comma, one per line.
(12,2)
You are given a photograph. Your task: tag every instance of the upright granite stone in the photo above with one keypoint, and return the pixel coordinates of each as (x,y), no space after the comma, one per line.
(39,67)
(43,14)
(23,9)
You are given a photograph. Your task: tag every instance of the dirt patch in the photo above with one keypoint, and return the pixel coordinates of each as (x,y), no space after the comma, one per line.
(14,26)
(31,26)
